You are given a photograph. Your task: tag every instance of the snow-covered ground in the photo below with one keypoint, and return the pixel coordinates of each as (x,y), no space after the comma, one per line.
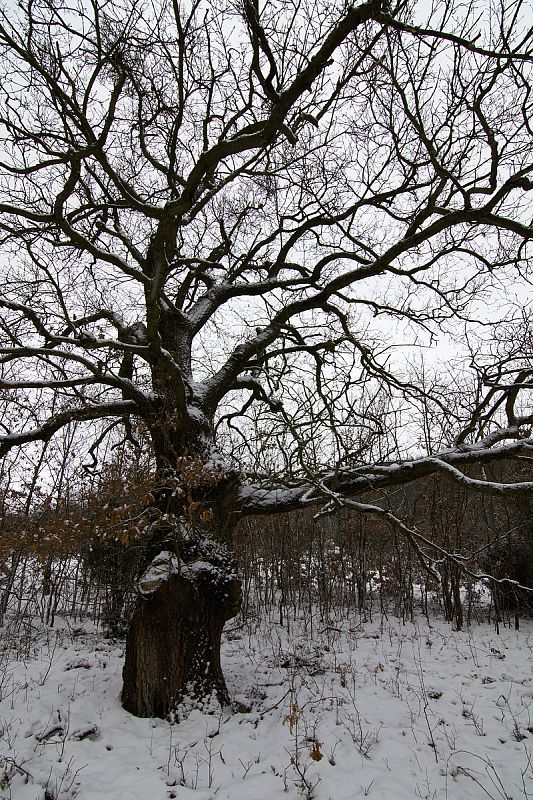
(338,712)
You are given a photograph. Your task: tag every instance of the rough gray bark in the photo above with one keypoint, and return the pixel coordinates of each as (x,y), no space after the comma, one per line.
(173,643)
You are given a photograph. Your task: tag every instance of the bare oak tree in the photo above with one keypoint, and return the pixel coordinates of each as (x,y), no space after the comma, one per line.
(209,211)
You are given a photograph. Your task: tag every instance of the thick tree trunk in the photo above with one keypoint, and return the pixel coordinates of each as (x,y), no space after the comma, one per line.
(188,587)
(173,644)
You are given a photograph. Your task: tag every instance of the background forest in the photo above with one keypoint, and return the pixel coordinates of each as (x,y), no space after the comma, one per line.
(80,555)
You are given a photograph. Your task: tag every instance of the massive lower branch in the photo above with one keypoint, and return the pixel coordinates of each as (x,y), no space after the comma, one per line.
(261,498)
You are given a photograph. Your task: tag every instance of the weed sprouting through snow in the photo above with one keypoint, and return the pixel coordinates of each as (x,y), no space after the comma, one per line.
(372,706)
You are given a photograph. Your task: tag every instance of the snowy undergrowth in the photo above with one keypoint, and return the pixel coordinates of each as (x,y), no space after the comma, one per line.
(379,711)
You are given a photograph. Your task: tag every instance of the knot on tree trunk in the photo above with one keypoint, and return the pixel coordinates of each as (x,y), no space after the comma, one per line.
(214,572)
(177,548)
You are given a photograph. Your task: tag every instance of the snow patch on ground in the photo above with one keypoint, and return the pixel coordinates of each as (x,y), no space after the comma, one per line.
(327,710)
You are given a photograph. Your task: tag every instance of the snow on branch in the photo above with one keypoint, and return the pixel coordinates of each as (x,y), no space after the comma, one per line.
(262,498)
(488,487)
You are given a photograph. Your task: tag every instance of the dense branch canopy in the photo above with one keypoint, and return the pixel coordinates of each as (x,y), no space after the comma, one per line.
(217,216)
